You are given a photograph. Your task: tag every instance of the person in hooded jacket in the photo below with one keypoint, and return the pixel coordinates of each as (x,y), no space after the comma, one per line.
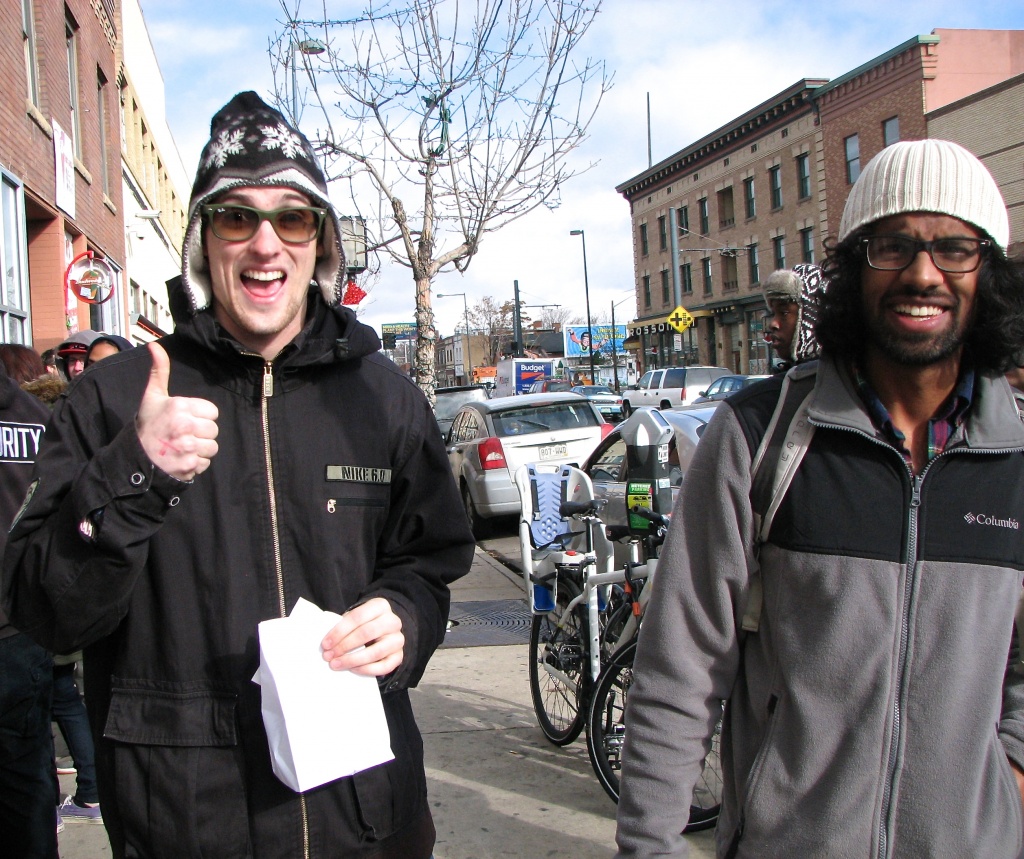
(104,346)
(263,452)
(793,298)
(71,354)
(28,778)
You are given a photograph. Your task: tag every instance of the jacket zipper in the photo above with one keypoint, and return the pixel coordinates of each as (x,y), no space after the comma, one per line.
(275,534)
(901,667)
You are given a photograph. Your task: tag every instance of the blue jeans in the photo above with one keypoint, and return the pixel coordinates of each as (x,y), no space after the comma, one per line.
(70,716)
(28,776)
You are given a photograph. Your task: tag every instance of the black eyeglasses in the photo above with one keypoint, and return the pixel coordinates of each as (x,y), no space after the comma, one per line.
(953,255)
(295,225)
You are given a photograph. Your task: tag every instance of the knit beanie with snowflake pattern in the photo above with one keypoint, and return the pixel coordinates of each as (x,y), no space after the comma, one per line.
(251,144)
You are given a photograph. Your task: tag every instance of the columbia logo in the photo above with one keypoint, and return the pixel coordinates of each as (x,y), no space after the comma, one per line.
(985,519)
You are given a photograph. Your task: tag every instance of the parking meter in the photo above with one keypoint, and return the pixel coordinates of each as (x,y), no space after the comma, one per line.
(647,434)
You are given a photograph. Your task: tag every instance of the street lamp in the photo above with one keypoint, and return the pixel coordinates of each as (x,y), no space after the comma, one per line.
(468,369)
(586,290)
(309,47)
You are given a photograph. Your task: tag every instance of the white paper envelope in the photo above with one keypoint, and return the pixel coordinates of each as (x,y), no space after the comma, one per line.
(322,724)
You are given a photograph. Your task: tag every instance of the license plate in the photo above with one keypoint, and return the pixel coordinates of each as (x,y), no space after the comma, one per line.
(552,451)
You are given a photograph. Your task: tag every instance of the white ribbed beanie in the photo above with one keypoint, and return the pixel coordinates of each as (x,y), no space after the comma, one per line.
(927,176)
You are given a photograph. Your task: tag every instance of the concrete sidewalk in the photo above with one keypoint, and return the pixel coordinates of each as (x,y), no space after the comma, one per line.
(497,787)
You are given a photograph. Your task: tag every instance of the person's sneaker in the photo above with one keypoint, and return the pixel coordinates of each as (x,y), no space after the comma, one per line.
(71,811)
(60,823)
(66,766)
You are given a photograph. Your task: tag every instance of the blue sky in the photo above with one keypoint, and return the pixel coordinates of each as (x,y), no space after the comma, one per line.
(714,61)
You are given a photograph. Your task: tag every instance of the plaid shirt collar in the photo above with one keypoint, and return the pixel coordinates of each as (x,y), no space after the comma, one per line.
(941,426)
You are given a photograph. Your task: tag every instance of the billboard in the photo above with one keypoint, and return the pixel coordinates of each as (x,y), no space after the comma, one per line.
(577,344)
(400,330)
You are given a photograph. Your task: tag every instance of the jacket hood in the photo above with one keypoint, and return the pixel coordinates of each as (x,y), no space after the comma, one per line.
(331,332)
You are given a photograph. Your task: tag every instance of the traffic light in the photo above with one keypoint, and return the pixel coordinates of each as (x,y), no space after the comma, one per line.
(389,340)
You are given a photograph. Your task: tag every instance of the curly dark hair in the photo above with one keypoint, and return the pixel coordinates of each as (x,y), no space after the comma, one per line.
(995,342)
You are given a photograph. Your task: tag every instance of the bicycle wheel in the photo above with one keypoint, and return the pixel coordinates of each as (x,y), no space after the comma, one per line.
(558,677)
(606,734)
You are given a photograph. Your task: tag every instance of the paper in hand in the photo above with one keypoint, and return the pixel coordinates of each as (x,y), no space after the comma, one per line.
(322,724)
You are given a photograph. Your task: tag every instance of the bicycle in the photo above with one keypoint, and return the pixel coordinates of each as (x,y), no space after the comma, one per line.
(585,610)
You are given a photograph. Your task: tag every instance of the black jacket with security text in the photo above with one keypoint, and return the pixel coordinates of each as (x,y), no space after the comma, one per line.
(331,483)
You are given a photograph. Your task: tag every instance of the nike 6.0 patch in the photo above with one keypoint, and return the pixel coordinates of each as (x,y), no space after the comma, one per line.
(358,474)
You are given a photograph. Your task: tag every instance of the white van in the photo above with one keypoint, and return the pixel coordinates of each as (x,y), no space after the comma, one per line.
(670,387)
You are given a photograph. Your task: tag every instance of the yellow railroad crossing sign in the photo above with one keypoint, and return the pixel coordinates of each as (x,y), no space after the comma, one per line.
(680,319)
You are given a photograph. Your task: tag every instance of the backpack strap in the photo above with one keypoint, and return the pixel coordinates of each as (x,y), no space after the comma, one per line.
(783,446)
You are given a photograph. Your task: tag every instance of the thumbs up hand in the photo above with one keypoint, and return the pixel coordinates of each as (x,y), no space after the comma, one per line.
(178,433)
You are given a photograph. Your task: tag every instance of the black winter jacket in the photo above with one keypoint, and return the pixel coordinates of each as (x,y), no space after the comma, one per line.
(22,422)
(331,483)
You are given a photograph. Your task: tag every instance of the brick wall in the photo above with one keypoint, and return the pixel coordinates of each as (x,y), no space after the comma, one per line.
(26,144)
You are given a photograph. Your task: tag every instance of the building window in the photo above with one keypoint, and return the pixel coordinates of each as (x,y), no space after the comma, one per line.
(662,233)
(706,265)
(686,276)
(647,290)
(890,131)
(71,37)
(775,184)
(14,299)
(807,245)
(803,176)
(754,266)
(726,215)
(684,219)
(28,35)
(101,118)
(749,200)
(730,279)
(666,296)
(702,210)
(851,146)
(644,247)
(779,249)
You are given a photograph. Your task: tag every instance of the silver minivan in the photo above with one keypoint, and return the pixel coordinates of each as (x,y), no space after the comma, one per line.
(670,386)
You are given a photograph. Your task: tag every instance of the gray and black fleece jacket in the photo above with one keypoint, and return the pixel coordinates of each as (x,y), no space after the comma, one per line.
(873,714)
(331,483)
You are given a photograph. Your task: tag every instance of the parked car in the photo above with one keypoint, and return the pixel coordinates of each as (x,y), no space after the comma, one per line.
(549,386)
(449,400)
(723,386)
(490,440)
(607,401)
(670,387)
(609,469)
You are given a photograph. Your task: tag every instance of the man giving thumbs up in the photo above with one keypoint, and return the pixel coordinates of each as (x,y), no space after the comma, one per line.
(263,452)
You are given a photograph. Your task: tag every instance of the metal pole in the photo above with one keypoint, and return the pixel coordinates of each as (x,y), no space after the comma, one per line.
(586,292)
(517,323)
(469,351)
(615,351)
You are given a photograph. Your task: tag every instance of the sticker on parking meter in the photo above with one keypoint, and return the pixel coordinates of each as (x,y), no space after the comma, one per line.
(639,494)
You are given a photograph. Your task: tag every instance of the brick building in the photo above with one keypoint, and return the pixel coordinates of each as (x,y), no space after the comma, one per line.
(58,65)
(991,124)
(72,161)
(887,99)
(714,218)
(766,190)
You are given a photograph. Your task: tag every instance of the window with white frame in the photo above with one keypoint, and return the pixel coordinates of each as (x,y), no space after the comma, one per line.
(779,250)
(15,324)
(28,36)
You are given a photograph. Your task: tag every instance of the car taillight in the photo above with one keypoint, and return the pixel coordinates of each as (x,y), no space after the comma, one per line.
(491,454)
(605,429)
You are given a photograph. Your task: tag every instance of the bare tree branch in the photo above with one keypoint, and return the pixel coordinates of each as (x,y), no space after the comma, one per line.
(457,118)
